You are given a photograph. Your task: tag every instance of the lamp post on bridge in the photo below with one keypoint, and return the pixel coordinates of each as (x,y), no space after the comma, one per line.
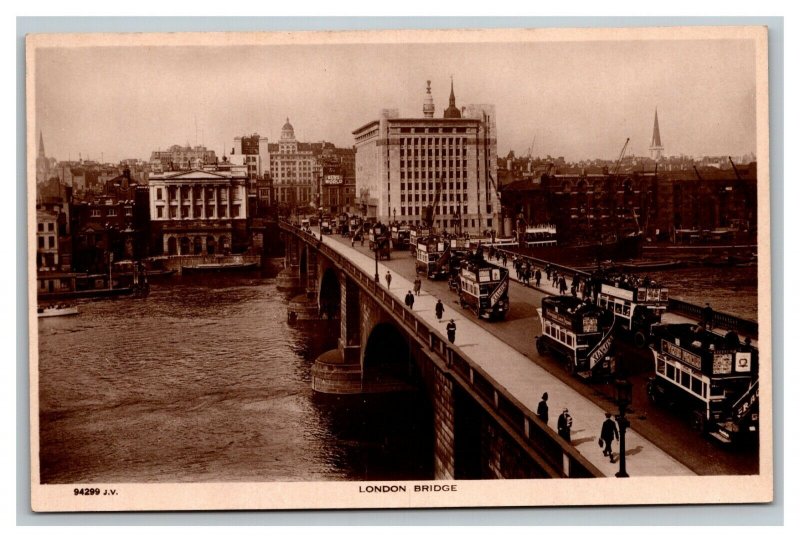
(624,392)
(375,247)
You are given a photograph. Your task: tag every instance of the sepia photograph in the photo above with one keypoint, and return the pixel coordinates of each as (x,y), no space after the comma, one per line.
(399,269)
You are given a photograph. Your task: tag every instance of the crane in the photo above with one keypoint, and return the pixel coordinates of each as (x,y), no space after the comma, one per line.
(735,171)
(699,178)
(430,210)
(621,154)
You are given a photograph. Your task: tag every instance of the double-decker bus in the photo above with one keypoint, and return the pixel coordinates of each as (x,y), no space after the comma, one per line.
(415,233)
(637,304)
(433,257)
(579,332)
(483,287)
(401,237)
(711,377)
(540,236)
(326,225)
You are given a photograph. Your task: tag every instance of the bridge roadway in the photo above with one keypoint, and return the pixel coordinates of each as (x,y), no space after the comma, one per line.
(657,437)
(514,370)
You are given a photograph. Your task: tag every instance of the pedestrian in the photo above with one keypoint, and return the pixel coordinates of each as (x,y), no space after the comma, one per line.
(562,285)
(388,280)
(451,331)
(708,316)
(353,240)
(608,434)
(555,279)
(409,299)
(547,271)
(538,277)
(505,259)
(564,425)
(542,409)
(417,285)
(439,309)
(411,302)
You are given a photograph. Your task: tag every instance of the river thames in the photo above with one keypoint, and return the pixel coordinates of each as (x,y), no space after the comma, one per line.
(204,380)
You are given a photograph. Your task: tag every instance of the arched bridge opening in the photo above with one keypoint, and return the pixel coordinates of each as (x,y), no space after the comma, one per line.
(330,295)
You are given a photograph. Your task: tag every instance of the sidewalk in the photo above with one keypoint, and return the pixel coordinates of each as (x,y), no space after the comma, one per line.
(526,380)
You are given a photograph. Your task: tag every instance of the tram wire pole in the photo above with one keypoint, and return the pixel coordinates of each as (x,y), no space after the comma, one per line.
(624,392)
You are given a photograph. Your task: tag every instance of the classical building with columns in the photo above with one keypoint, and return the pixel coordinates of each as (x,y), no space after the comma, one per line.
(400,161)
(199,212)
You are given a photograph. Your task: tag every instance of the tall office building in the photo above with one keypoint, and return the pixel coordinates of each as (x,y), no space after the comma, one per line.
(404,163)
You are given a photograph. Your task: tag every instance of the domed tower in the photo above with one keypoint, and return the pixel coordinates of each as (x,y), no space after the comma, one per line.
(452,111)
(287,143)
(287,132)
(427,106)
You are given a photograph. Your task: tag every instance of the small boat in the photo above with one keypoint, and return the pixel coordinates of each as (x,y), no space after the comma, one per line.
(219,267)
(650,265)
(56,310)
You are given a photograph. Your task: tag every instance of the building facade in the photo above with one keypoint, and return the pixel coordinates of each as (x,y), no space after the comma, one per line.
(178,158)
(199,212)
(252,152)
(403,164)
(294,170)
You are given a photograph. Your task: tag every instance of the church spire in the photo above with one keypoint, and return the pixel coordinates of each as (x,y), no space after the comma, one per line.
(656,148)
(452,111)
(41,145)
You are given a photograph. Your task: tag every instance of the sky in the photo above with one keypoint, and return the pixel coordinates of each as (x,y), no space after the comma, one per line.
(580,100)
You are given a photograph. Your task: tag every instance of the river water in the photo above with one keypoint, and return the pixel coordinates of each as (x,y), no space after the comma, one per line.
(204,380)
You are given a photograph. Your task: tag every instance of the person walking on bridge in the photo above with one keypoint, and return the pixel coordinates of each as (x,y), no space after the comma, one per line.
(538,277)
(388,279)
(562,285)
(451,331)
(542,409)
(417,285)
(608,434)
(410,300)
(439,309)
(565,425)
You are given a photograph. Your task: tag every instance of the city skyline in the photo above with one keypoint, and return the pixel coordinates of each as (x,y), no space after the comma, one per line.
(125,102)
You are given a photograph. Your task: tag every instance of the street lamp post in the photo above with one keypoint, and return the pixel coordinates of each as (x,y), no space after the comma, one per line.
(375,247)
(624,391)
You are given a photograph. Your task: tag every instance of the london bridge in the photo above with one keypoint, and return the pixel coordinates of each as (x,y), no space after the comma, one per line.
(486,385)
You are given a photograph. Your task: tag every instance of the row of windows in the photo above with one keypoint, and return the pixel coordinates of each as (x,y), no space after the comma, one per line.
(620,307)
(430,130)
(459,150)
(443,223)
(51,241)
(457,174)
(559,334)
(96,213)
(433,163)
(50,226)
(682,376)
(443,197)
(211,212)
(210,192)
(422,186)
(439,210)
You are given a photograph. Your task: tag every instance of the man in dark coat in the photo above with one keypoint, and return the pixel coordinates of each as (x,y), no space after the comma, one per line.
(538,276)
(542,410)
(451,331)
(564,425)
(439,309)
(409,299)
(609,434)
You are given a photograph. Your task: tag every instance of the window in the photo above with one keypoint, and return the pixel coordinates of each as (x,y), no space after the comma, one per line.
(111,212)
(96,213)
(51,241)
(160,212)
(159,193)
(128,211)
(685,379)
(40,226)
(41,242)
(671,372)
(697,386)
(50,226)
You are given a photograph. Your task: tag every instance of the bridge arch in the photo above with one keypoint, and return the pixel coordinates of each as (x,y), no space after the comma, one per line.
(330,294)
(387,361)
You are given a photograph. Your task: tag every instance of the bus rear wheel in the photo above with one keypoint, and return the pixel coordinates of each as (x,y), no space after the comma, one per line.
(639,340)
(541,347)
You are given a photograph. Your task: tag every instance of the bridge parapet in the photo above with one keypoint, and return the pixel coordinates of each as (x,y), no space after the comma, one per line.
(553,455)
